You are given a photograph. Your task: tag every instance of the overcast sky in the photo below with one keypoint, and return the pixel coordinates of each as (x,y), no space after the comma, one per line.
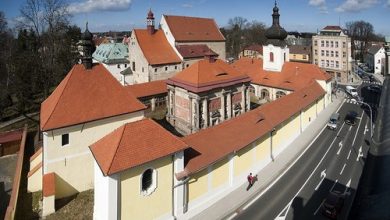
(300,15)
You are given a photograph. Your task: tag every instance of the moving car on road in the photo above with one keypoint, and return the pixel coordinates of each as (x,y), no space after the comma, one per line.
(333,121)
(333,204)
(351,90)
(374,88)
(350,118)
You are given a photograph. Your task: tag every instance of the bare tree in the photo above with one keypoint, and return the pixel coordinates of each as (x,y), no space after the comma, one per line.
(361,33)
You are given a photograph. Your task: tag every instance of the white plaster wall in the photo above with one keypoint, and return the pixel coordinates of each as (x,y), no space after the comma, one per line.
(73,163)
(116,72)
(379,56)
(136,55)
(105,196)
(278,57)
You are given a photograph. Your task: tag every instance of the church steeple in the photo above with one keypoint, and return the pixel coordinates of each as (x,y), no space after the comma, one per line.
(276,34)
(87,44)
(150,22)
(275,52)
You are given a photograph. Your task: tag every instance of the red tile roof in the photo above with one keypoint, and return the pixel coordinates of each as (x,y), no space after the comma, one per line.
(49,184)
(11,136)
(332,28)
(194,51)
(134,144)
(148,89)
(205,75)
(293,76)
(255,47)
(156,47)
(194,29)
(86,95)
(213,144)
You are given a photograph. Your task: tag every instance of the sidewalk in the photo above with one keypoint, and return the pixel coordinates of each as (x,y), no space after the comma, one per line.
(239,197)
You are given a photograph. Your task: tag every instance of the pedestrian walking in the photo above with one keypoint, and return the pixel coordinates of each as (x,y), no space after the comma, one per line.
(250,179)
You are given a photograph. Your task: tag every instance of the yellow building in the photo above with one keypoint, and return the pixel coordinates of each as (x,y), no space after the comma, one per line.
(300,53)
(134,171)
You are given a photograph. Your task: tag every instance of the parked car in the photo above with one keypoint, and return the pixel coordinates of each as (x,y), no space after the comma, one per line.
(351,90)
(333,121)
(333,204)
(374,88)
(350,118)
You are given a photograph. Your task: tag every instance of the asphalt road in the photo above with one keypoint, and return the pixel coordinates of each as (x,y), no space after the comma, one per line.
(334,162)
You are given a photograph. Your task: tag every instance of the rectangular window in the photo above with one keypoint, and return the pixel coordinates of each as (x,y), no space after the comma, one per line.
(322,43)
(332,63)
(344,44)
(316,62)
(65,139)
(322,53)
(166,68)
(304,57)
(332,53)
(331,44)
(336,44)
(322,63)
(327,63)
(155,70)
(315,43)
(143,69)
(133,66)
(315,52)
(337,64)
(327,43)
(337,54)
(327,53)
(175,67)
(344,54)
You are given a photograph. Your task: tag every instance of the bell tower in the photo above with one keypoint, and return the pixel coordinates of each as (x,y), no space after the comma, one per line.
(150,22)
(275,52)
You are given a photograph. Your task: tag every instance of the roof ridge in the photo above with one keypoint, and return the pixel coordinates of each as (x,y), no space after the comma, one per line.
(123,127)
(59,97)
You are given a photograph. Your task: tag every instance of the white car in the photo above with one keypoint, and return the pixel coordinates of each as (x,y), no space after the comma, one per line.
(352,91)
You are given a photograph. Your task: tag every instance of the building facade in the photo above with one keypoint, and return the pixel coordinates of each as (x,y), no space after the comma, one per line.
(332,53)
(158,54)
(206,94)
(252,51)
(376,59)
(299,53)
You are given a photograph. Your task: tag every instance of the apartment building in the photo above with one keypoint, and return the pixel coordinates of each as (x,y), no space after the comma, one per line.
(332,53)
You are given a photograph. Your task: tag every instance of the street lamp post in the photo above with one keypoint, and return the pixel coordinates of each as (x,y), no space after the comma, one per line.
(361,102)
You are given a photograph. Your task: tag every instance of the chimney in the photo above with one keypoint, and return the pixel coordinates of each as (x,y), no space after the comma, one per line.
(210,56)
(150,22)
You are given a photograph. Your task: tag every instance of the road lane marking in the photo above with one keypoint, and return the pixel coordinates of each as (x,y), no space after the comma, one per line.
(323,175)
(334,184)
(357,131)
(360,154)
(293,163)
(347,186)
(340,147)
(307,180)
(342,169)
(349,154)
(319,207)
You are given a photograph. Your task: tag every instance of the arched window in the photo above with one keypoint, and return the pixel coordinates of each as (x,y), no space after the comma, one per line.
(264,94)
(280,94)
(271,57)
(148,181)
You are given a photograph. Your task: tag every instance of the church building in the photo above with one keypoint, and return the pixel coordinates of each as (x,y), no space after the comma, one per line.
(206,94)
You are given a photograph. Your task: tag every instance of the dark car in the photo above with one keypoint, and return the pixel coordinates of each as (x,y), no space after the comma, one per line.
(333,204)
(350,118)
(374,88)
